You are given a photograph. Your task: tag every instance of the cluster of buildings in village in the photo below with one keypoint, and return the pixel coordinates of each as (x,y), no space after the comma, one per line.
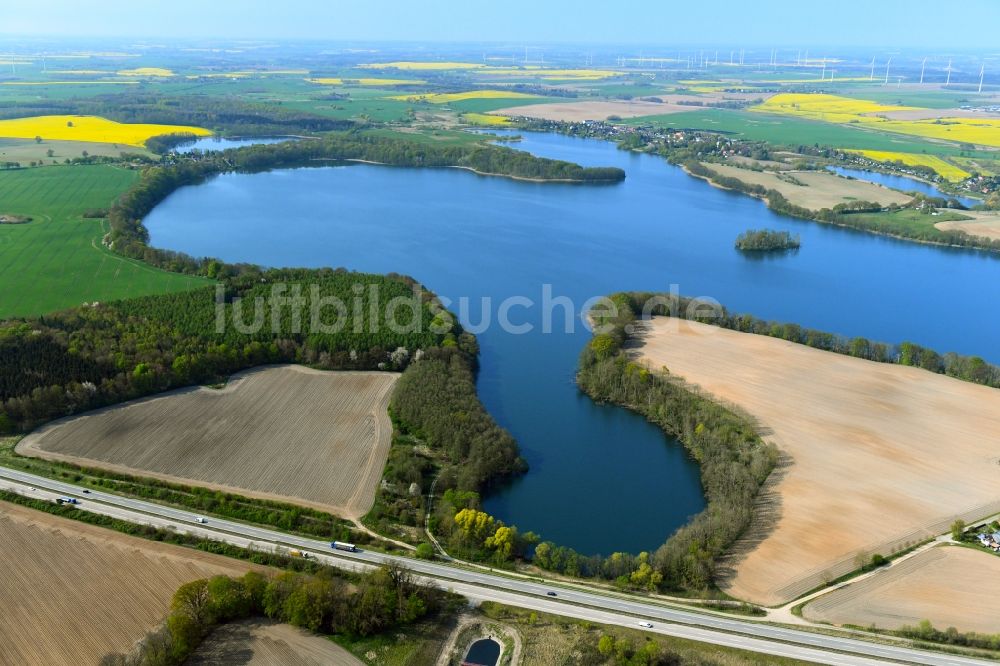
(991,541)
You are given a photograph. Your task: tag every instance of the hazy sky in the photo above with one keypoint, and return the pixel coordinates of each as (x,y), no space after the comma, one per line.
(926,23)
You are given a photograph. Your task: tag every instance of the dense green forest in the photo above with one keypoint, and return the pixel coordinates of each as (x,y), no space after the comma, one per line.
(435,406)
(968,368)
(222,114)
(436,401)
(324,602)
(102,354)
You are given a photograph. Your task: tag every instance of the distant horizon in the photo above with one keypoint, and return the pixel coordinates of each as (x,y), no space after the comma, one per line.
(886,25)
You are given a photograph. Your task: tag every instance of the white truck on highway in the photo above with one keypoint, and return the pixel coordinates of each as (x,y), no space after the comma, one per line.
(341,545)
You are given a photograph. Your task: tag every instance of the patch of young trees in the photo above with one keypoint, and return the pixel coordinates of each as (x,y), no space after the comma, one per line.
(364,605)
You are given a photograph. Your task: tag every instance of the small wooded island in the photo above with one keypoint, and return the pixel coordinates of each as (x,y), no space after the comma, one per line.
(766,240)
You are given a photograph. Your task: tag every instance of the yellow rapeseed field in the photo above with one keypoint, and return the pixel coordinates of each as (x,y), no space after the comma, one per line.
(89,128)
(444,98)
(831,108)
(843,110)
(365,82)
(422,65)
(485,119)
(145,71)
(943,168)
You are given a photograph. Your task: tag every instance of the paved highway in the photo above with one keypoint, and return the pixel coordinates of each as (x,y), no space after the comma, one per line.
(572,601)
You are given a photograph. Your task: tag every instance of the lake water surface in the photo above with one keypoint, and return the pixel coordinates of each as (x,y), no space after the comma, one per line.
(601,478)
(207,143)
(903,183)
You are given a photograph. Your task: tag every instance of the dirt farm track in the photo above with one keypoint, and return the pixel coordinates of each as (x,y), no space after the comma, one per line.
(283,432)
(72,593)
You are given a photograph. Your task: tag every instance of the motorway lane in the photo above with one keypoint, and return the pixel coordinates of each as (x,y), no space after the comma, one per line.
(478,584)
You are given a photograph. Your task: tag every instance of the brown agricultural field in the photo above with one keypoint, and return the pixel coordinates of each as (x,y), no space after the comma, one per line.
(73,592)
(288,433)
(576,112)
(814,189)
(983,223)
(875,456)
(259,642)
(949,585)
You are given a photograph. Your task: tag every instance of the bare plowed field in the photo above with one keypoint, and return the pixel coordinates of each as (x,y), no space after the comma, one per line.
(71,593)
(876,456)
(983,224)
(814,189)
(949,585)
(576,112)
(260,642)
(289,433)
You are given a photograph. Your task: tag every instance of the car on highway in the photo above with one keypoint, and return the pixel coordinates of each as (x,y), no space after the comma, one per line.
(86,491)
(200,519)
(646,625)
(551,594)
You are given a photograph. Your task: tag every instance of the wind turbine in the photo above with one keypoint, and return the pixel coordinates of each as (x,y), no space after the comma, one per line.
(948,69)
(871,77)
(888,62)
(982,71)
(922,66)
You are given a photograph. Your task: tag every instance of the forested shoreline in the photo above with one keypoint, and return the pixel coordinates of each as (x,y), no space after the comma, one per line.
(129,237)
(967,368)
(734,460)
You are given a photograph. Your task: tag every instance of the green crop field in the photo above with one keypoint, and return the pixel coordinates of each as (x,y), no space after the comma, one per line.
(363,102)
(785,130)
(484,105)
(56,261)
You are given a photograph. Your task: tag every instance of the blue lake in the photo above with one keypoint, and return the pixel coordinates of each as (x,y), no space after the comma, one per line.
(601,478)
(208,143)
(903,183)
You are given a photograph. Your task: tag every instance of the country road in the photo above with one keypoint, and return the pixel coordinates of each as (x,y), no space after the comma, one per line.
(572,601)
